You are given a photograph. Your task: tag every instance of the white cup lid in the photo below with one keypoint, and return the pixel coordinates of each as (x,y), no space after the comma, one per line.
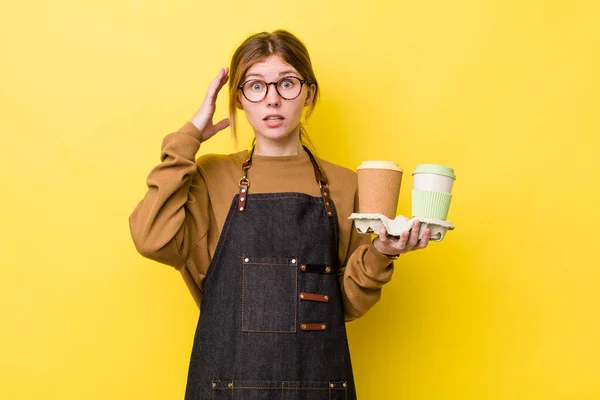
(380,165)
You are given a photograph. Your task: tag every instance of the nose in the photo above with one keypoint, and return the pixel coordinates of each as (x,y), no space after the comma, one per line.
(272,97)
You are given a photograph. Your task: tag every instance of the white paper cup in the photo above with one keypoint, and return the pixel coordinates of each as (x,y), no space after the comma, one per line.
(432,188)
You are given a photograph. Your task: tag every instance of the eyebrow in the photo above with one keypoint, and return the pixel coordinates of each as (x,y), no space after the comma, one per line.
(286,72)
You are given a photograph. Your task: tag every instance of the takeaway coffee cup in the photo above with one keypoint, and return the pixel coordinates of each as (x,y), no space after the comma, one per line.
(432,191)
(379,187)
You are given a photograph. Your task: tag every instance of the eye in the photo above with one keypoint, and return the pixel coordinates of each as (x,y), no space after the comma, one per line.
(255,86)
(288,83)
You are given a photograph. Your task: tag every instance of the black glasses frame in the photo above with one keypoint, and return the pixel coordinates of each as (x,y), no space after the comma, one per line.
(302,82)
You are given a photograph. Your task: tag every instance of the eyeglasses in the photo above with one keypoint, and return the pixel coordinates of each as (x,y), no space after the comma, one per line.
(289,87)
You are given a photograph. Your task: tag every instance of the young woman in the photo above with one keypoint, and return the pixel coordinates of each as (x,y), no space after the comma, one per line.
(262,238)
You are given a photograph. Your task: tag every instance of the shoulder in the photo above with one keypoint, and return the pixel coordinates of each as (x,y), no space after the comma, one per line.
(343,185)
(336,174)
(210,164)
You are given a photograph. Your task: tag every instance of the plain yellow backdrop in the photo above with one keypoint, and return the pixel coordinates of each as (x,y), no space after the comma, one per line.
(505,92)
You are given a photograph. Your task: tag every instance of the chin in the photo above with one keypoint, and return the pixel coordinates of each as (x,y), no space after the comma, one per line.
(276,134)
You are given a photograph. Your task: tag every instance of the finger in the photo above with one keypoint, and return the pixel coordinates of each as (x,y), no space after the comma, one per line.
(383,236)
(425,239)
(222,82)
(414,235)
(221,125)
(224,77)
(402,241)
(215,86)
(214,129)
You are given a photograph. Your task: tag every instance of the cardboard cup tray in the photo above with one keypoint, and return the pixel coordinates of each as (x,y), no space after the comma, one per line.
(371,223)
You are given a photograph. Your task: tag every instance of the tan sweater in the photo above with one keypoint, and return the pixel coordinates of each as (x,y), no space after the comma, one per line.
(180,218)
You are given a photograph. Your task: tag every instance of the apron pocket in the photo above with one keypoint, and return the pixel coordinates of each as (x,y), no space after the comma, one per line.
(269,294)
(278,390)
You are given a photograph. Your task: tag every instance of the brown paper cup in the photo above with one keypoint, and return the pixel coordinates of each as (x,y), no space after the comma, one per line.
(379,187)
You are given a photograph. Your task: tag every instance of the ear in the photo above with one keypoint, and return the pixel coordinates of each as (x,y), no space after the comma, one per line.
(311,94)
(238,102)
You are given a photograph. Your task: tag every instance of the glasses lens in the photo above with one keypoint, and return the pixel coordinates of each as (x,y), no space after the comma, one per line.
(255,90)
(289,88)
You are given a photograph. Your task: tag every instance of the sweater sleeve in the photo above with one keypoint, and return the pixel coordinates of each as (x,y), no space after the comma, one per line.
(173,217)
(363,276)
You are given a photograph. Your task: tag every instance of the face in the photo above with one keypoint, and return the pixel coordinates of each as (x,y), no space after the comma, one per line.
(275,118)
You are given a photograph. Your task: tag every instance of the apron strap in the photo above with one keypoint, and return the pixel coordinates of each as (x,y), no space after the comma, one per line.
(244,183)
(322,180)
(319,177)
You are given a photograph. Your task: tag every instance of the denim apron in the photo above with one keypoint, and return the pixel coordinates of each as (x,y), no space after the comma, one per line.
(271,323)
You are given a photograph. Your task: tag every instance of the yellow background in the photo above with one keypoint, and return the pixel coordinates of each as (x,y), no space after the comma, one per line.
(506,92)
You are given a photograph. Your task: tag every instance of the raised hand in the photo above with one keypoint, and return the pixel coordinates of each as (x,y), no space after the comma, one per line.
(203,118)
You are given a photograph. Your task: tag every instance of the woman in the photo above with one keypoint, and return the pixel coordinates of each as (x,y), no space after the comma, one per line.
(262,238)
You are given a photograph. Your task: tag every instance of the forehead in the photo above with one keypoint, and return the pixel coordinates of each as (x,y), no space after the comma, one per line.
(272,67)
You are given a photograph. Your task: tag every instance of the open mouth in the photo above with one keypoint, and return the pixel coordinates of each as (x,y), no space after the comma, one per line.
(273,118)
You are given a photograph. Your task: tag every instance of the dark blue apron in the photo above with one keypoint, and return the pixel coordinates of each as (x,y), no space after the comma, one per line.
(272,322)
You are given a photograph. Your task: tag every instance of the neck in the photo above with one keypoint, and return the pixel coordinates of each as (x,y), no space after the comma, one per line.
(290,146)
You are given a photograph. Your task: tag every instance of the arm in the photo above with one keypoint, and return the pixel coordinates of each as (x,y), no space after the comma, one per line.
(365,270)
(173,218)
(368,267)
(162,225)
(363,276)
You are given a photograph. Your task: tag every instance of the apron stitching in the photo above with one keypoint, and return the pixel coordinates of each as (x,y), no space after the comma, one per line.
(243,270)
(277,388)
(265,263)
(296,311)
(335,231)
(276,198)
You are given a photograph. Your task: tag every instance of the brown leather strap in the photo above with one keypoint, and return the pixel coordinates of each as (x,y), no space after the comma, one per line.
(244,184)
(318,173)
(242,195)
(313,326)
(322,180)
(322,298)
